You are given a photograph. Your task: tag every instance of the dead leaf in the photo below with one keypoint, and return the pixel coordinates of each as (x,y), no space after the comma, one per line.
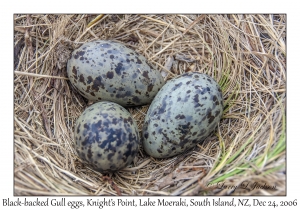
(168,66)
(112,184)
(184,58)
(17,50)
(176,176)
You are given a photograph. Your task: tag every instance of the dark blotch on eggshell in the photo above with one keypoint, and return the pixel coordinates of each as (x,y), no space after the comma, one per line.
(183,113)
(110,74)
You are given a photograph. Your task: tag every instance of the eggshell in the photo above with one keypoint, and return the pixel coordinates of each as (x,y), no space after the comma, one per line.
(109,71)
(183,113)
(106,136)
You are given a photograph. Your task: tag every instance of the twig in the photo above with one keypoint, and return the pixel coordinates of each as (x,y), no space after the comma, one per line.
(39,75)
(94,21)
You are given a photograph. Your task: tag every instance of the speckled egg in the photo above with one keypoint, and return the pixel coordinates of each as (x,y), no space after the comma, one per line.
(109,71)
(106,136)
(183,113)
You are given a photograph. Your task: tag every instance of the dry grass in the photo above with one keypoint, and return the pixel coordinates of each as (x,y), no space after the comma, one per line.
(244,53)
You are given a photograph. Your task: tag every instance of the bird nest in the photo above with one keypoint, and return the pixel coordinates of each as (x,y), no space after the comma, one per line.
(245,54)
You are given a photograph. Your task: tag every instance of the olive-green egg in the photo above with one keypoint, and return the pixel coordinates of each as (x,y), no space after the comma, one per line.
(183,113)
(105,70)
(106,136)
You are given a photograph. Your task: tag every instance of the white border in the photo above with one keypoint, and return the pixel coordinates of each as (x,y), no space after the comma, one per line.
(156,6)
